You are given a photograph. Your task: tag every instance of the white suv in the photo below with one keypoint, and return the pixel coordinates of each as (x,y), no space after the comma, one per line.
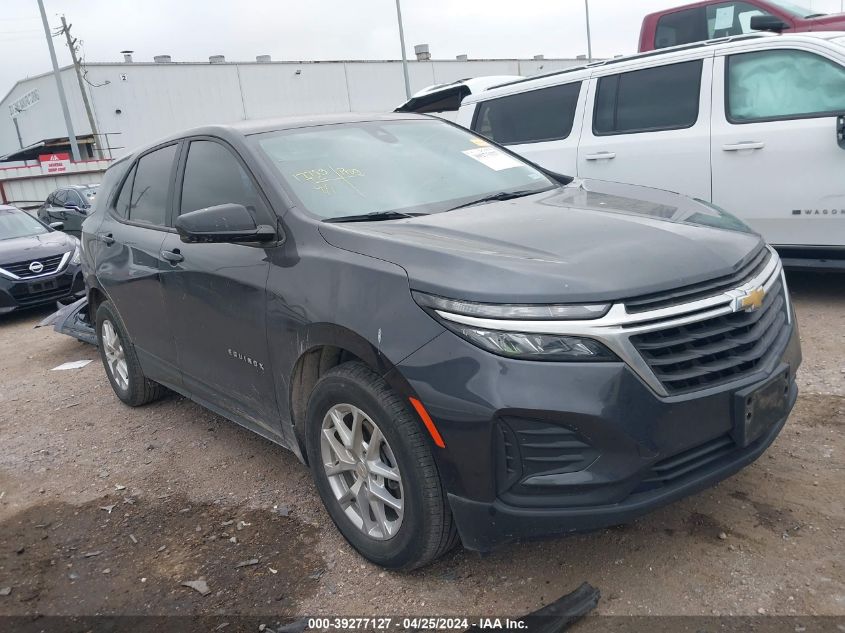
(751,124)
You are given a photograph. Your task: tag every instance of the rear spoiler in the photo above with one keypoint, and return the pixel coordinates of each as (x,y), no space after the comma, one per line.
(445,99)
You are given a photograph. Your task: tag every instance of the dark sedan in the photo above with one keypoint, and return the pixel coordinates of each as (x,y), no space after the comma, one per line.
(38,264)
(70,206)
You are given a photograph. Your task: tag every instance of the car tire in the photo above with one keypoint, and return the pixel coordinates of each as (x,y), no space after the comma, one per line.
(120,361)
(425,529)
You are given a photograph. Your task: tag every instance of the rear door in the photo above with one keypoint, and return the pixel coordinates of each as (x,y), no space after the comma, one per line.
(542,124)
(650,125)
(776,160)
(216,293)
(128,258)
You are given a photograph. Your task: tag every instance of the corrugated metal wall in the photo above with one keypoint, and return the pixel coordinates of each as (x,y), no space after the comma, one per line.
(137,103)
(27,187)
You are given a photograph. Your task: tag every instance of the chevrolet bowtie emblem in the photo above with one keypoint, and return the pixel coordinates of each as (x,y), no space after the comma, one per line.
(750,301)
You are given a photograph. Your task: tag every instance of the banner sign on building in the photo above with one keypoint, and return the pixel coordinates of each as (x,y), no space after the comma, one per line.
(29,99)
(54,163)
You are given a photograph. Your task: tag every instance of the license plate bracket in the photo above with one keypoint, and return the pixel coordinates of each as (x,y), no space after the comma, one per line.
(758,407)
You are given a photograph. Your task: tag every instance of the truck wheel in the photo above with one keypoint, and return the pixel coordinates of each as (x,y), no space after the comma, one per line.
(122,366)
(374,470)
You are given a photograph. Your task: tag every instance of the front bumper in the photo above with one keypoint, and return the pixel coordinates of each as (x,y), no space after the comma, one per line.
(535,449)
(27,293)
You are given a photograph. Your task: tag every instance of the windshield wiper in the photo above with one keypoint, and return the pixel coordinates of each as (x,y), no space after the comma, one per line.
(502,195)
(376,216)
(815,15)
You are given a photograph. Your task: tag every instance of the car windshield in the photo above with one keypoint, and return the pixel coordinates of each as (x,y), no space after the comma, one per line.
(19,224)
(89,193)
(795,9)
(400,167)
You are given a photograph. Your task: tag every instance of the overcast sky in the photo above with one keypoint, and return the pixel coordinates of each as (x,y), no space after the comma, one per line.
(191,30)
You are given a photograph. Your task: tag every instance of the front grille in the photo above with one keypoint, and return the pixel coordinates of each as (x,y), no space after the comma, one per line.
(716,350)
(687,294)
(671,469)
(21,269)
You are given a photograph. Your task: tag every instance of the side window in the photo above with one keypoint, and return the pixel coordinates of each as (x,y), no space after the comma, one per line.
(778,84)
(73,198)
(546,114)
(121,205)
(148,203)
(653,99)
(60,197)
(731,18)
(681,27)
(213,176)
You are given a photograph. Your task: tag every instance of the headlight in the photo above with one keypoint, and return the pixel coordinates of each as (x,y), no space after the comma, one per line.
(521,345)
(76,258)
(549,347)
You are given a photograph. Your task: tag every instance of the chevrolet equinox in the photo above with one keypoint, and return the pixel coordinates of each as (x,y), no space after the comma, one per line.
(460,345)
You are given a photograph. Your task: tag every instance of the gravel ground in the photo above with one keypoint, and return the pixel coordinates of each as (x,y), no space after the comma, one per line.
(107,509)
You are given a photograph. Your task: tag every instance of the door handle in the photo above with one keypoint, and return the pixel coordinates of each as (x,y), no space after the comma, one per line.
(600,156)
(106,238)
(738,147)
(174,256)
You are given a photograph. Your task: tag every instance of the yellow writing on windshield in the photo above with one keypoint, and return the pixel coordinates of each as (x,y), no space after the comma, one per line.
(323,178)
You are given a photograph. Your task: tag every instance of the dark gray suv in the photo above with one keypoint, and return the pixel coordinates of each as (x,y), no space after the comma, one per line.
(459,344)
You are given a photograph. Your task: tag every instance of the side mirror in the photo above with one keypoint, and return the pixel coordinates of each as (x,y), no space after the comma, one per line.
(768,23)
(223,223)
(840,130)
(57,226)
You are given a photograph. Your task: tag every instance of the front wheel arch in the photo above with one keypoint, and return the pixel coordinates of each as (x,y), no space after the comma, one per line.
(328,346)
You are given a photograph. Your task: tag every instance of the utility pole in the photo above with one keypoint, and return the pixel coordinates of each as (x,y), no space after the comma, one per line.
(71,136)
(404,55)
(71,44)
(589,39)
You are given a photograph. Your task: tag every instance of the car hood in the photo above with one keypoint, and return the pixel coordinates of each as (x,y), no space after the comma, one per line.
(35,246)
(588,241)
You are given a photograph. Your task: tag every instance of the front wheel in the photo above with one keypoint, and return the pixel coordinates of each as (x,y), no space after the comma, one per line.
(374,470)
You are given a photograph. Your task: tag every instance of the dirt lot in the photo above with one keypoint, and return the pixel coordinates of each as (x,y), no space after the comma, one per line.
(107,509)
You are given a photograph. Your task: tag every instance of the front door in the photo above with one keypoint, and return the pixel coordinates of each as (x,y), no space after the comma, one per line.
(75,213)
(216,293)
(776,159)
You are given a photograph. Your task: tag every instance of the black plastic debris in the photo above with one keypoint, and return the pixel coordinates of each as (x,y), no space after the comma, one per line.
(72,320)
(557,616)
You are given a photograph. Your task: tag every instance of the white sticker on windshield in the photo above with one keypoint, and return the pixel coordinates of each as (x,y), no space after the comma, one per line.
(493,158)
(724,18)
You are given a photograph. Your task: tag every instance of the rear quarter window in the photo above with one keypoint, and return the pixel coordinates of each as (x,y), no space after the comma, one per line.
(545,114)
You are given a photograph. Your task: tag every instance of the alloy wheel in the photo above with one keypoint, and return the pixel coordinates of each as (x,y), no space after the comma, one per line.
(115,356)
(362,471)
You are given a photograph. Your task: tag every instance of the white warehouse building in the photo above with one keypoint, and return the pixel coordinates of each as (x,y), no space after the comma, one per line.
(137,102)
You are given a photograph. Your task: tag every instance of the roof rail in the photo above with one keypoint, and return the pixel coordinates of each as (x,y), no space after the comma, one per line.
(654,53)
